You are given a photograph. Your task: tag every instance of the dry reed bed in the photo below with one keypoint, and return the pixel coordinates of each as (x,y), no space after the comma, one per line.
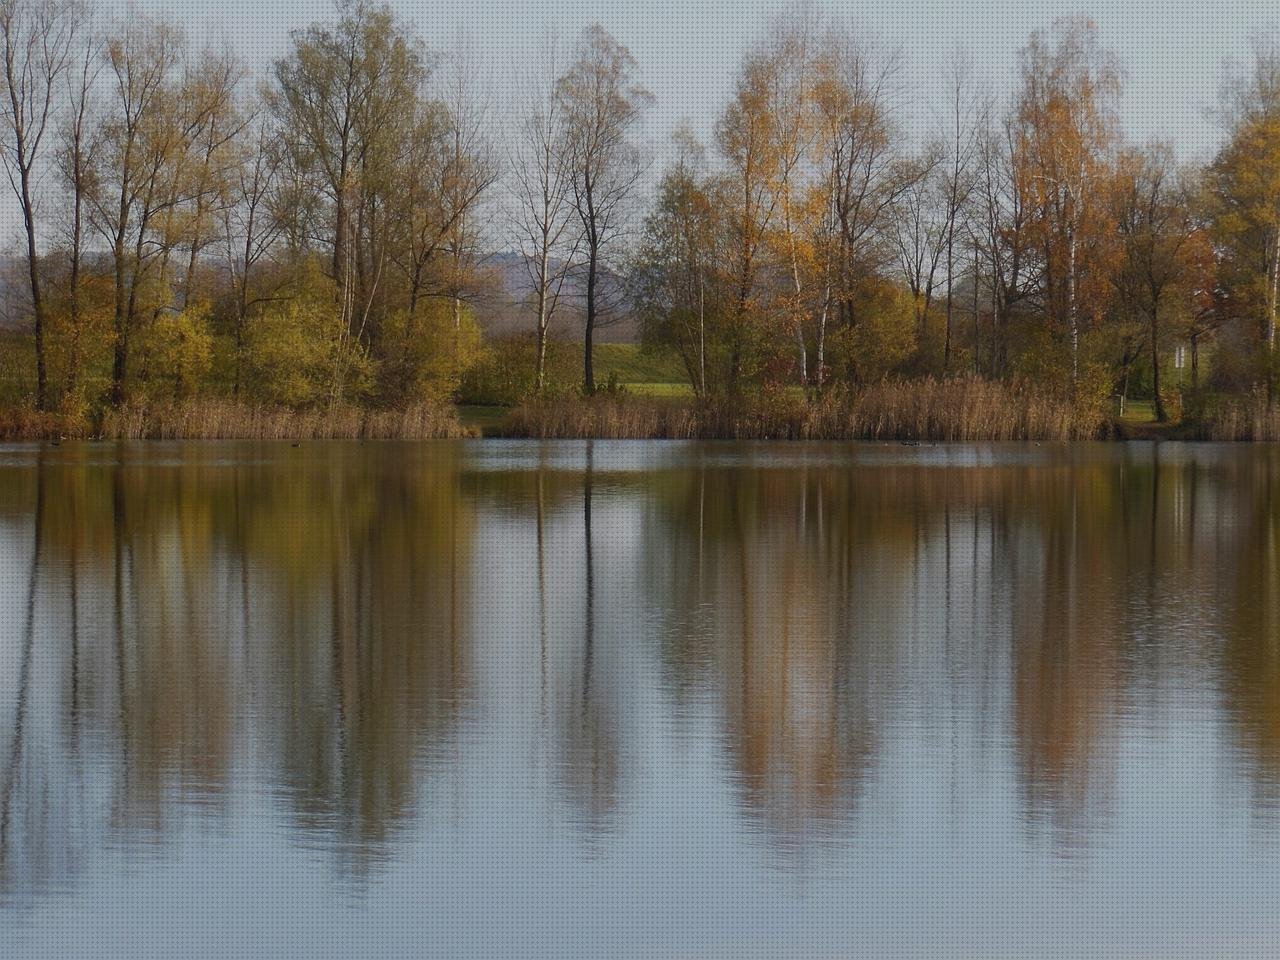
(1251,418)
(923,410)
(230,420)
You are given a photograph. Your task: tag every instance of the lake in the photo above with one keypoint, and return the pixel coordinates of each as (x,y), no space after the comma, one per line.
(502,699)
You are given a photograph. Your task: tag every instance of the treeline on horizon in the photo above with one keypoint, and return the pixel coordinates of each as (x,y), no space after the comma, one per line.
(316,237)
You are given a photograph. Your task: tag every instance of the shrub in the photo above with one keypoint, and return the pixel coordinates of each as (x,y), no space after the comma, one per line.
(299,353)
(426,355)
(175,352)
(505,372)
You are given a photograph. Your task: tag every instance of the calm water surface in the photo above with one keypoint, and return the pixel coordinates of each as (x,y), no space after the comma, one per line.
(494,699)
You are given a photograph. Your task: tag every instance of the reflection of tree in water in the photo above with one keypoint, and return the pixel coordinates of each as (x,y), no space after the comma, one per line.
(17,746)
(589,724)
(1065,557)
(311,610)
(784,564)
(1246,571)
(1146,562)
(198,621)
(791,597)
(581,633)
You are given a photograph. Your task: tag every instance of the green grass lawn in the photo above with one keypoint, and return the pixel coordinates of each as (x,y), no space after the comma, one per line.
(634,364)
(1139,411)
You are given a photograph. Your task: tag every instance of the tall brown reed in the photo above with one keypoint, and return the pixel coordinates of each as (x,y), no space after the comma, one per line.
(1241,418)
(918,410)
(224,419)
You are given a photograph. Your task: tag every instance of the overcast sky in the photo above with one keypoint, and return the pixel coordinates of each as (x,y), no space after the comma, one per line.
(1173,50)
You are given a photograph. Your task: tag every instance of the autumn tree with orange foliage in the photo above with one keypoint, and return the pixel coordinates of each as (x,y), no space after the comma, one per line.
(1067,131)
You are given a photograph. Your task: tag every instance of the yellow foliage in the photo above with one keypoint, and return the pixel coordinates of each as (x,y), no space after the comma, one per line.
(882,337)
(175,351)
(299,351)
(428,351)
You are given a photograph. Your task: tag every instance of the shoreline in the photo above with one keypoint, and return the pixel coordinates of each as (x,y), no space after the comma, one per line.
(908,412)
(1114,432)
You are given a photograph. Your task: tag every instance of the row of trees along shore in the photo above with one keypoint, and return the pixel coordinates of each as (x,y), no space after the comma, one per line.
(315,238)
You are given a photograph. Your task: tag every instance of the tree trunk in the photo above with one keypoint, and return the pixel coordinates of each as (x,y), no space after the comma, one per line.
(951,274)
(1269,326)
(588,334)
(1161,415)
(120,353)
(543,267)
(702,337)
(977,315)
(1072,315)
(339,235)
(798,290)
(37,299)
(73,284)
(1195,362)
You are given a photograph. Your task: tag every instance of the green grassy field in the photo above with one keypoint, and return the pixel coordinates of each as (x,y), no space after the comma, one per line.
(1139,411)
(636,365)
(640,371)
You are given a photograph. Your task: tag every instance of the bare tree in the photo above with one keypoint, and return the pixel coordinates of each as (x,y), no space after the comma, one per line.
(920,235)
(250,226)
(218,128)
(76,154)
(959,183)
(602,103)
(141,55)
(1153,218)
(544,215)
(862,147)
(1001,217)
(38,36)
(471,168)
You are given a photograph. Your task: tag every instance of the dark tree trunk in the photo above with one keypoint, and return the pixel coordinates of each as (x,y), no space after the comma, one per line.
(1161,415)
(588,335)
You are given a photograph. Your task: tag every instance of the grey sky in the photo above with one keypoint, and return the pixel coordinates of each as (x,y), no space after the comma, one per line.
(1173,50)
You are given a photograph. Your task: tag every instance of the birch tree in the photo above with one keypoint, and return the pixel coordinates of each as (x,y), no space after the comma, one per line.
(1067,124)
(1243,186)
(603,101)
(544,217)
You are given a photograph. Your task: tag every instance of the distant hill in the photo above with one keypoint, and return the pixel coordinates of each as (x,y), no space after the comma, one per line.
(506,305)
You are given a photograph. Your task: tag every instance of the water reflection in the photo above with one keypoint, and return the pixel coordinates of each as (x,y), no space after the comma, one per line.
(367,650)
(189,626)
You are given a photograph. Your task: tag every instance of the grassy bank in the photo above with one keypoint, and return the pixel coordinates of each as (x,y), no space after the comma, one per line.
(922,410)
(218,419)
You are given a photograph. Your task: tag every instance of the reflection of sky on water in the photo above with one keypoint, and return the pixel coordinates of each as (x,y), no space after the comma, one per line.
(712,700)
